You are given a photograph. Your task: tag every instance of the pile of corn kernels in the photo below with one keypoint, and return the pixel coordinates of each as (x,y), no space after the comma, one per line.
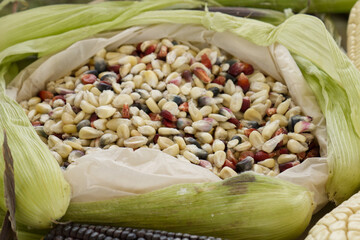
(204,106)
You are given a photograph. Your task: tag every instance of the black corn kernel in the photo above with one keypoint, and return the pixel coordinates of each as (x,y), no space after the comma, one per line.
(74,231)
(124,234)
(94,236)
(110,231)
(100,65)
(101,236)
(237,137)
(117,233)
(81,232)
(88,233)
(66,231)
(103,85)
(94,232)
(131,236)
(215,91)
(94,72)
(104,229)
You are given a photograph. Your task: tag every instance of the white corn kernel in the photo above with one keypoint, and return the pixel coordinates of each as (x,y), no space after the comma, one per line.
(204,137)
(243,146)
(256,139)
(218,145)
(135,142)
(191,157)
(151,104)
(172,150)
(296,147)
(283,107)
(227,172)
(89,133)
(219,158)
(252,115)
(270,129)
(87,107)
(168,131)
(105,111)
(236,102)
(146,130)
(114,123)
(271,144)
(297,137)
(284,158)
(283,121)
(122,99)
(180,141)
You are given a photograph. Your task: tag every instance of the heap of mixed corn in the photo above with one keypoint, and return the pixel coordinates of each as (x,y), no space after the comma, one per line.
(204,106)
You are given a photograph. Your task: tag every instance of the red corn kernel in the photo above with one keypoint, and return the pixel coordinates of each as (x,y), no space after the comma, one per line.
(283,151)
(148,66)
(36,123)
(114,68)
(270,111)
(260,156)
(229,164)
(247,68)
(301,156)
(220,80)
(150,49)
(162,52)
(186,75)
(280,131)
(125,111)
(168,123)
(93,118)
(154,116)
(245,154)
(288,165)
(45,95)
(234,121)
(62,97)
(138,47)
(168,116)
(235,69)
(230,156)
(202,75)
(243,82)
(206,61)
(184,107)
(245,104)
(88,79)
(248,131)
(313,153)
(156,137)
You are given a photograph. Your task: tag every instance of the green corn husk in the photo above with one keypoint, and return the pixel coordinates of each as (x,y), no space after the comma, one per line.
(313,6)
(231,209)
(331,75)
(42,194)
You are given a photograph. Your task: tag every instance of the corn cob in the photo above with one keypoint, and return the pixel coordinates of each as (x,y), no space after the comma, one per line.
(343,222)
(85,231)
(234,208)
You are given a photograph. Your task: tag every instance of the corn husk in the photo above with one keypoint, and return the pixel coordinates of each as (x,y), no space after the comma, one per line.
(227,209)
(42,194)
(326,68)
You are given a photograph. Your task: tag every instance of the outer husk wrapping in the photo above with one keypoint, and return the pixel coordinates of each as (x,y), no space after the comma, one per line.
(242,207)
(326,68)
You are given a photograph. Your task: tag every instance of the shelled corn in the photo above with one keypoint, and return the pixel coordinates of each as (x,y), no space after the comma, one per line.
(201,105)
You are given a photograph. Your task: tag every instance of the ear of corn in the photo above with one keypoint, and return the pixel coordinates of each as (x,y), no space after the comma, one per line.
(326,69)
(42,194)
(334,6)
(235,208)
(343,222)
(86,231)
(353,35)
